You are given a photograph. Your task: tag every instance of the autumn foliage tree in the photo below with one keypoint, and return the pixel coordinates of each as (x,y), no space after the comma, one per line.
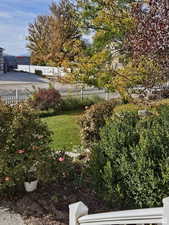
(55,39)
(38,40)
(129,44)
(108,21)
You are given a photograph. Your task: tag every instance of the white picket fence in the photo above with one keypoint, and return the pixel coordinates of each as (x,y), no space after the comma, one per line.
(46,70)
(13,100)
(18,98)
(78,215)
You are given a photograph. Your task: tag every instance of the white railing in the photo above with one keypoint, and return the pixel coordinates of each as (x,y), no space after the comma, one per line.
(78,215)
(46,70)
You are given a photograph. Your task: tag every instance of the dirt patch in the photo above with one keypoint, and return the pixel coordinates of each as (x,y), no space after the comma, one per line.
(49,204)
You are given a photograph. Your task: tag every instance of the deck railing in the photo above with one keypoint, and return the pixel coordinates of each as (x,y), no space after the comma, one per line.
(78,215)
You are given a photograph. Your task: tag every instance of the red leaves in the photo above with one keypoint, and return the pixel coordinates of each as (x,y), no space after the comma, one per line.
(152,29)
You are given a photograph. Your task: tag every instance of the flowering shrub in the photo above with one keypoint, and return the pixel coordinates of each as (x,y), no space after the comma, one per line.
(64,169)
(24,141)
(59,167)
(44,99)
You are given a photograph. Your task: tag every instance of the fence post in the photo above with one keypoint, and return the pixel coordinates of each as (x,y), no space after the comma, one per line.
(53,71)
(77,210)
(81,93)
(17,100)
(107,95)
(166,211)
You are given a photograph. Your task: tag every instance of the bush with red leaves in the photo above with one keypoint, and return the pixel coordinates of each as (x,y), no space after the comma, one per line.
(44,99)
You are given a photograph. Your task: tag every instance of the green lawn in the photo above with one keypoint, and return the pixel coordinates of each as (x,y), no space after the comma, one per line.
(66,130)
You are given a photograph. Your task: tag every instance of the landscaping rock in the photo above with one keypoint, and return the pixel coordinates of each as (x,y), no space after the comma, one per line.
(144,112)
(151,96)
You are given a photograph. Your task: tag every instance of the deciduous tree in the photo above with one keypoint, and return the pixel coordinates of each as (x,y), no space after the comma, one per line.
(55,38)
(126,48)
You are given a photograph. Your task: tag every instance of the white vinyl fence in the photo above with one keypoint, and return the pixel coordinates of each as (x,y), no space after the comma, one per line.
(46,70)
(78,215)
(81,93)
(13,100)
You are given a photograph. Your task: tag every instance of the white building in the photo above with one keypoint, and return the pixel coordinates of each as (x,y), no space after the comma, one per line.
(1,61)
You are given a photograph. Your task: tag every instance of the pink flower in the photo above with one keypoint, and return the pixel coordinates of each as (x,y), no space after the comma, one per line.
(40,136)
(35,147)
(61,159)
(7,178)
(20,151)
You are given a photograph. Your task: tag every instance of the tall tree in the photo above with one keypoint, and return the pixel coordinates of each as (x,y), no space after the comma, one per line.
(119,36)
(38,40)
(110,21)
(56,38)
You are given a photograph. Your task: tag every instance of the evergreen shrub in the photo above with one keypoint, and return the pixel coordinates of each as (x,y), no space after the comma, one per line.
(130,164)
(76,103)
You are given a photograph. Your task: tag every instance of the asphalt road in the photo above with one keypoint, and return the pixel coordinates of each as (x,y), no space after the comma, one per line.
(11,81)
(24,83)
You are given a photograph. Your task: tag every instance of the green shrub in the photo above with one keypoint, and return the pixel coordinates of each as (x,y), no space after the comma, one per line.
(24,141)
(75,103)
(38,72)
(45,99)
(130,164)
(5,123)
(160,103)
(121,108)
(93,119)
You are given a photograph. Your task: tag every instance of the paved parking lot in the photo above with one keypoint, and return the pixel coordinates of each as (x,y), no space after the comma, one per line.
(20,78)
(23,82)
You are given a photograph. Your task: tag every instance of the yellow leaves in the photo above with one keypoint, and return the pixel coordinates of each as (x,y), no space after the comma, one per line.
(55,37)
(146,73)
(91,69)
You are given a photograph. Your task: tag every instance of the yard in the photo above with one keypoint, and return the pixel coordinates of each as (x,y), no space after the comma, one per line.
(65,128)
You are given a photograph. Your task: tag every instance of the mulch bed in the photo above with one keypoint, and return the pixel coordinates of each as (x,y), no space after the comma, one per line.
(48,205)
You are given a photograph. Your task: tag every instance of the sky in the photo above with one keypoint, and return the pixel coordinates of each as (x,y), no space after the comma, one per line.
(15,15)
